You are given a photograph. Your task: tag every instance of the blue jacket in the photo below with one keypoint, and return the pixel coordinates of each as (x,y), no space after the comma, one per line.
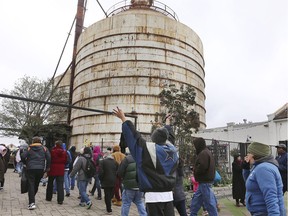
(156,164)
(264,188)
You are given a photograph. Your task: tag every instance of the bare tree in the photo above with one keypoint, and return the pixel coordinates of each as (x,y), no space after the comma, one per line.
(24,117)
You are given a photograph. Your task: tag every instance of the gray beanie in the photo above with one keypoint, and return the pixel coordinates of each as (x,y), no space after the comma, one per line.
(160,135)
(259,149)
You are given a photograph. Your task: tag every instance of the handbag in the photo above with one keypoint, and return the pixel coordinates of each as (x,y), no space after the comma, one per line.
(24,181)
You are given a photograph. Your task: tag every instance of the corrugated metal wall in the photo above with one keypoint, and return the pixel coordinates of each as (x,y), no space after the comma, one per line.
(125,60)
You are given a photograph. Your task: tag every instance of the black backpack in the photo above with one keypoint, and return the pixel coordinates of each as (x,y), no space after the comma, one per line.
(90,169)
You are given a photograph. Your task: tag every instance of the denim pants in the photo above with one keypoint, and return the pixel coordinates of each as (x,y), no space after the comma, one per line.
(67,182)
(204,195)
(72,182)
(97,186)
(135,196)
(19,167)
(82,184)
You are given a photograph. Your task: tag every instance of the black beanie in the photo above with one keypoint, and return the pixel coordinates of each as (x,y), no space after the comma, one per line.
(160,135)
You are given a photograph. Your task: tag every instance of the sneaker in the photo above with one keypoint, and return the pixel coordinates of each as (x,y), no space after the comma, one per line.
(89,204)
(31,206)
(72,188)
(67,195)
(82,204)
(99,198)
(108,213)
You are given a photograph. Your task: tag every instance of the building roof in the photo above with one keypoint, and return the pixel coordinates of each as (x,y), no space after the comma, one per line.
(282,113)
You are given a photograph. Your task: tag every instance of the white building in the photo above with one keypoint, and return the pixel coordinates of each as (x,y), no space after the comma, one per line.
(272,131)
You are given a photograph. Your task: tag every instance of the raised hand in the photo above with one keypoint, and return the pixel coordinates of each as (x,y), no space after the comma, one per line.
(119,113)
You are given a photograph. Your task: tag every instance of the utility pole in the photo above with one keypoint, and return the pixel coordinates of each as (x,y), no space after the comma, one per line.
(78,30)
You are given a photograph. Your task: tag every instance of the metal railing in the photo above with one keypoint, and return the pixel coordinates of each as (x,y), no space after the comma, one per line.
(126,5)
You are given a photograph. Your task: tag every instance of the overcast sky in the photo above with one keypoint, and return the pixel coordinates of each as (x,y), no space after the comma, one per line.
(245,48)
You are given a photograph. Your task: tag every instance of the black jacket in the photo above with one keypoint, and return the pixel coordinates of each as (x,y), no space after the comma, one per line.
(36,157)
(107,172)
(204,168)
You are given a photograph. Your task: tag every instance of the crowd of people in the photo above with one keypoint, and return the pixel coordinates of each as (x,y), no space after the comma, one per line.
(150,174)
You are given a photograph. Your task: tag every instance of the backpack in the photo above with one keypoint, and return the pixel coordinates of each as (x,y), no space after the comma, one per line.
(90,168)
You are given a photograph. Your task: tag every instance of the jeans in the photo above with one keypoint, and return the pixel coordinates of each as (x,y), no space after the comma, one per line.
(67,181)
(72,182)
(204,196)
(135,196)
(54,186)
(97,186)
(33,177)
(19,167)
(82,184)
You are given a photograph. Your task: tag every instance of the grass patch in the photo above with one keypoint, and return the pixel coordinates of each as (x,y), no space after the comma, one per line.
(230,207)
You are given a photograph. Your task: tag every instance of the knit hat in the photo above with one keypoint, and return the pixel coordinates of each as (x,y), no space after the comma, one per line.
(160,135)
(87,150)
(116,148)
(259,149)
(73,149)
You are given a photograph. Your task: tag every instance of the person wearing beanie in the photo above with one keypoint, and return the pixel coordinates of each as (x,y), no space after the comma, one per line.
(160,135)
(204,173)
(118,157)
(156,164)
(259,150)
(281,157)
(264,187)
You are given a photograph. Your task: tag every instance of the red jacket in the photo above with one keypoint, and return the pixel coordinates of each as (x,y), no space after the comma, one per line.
(58,161)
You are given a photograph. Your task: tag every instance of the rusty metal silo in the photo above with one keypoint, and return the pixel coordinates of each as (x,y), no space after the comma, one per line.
(125,60)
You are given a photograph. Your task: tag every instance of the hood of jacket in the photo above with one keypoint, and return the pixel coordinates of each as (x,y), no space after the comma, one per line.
(268,159)
(199,146)
(36,147)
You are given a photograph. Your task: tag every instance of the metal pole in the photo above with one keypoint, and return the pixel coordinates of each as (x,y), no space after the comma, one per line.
(61,105)
(78,31)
